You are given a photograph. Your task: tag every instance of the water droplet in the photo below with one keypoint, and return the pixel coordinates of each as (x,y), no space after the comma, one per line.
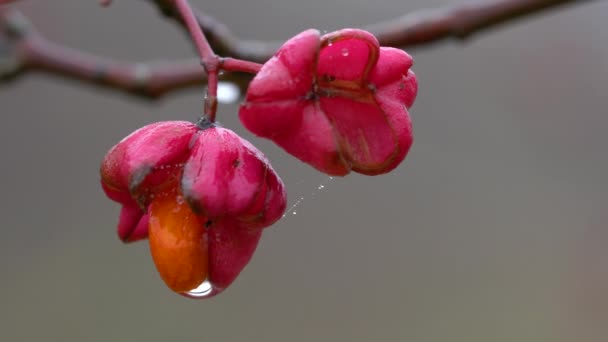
(203,290)
(293,207)
(180,200)
(344,52)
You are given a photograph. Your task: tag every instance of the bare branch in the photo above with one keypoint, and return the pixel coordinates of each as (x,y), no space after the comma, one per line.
(222,40)
(22,49)
(460,22)
(412,30)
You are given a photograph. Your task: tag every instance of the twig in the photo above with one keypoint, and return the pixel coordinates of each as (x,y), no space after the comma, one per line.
(221,39)
(232,64)
(459,22)
(22,49)
(414,29)
(209,60)
(27,51)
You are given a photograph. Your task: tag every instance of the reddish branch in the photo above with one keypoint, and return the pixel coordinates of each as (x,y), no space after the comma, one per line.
(29,51)
(459,22)
(209,60)
(413,29)
(223,41)
(23,49)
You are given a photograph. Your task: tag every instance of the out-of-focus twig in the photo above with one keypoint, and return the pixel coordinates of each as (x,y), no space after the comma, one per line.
(222,40)
(23,49)
(411,30)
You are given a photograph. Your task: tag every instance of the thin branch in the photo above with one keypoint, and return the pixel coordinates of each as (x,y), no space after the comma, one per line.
(459,22)
(412,30)
(27,50)
(233,64)
(198,37)
(209,59)
(22,49)
(222,40)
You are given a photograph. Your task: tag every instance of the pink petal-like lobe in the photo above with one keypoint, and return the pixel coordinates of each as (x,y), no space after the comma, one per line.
(132,224)
(147,158)
(231,246)
(367,141)
(347,112)
(222,176)
(314,142)
(347,55)
(226,176)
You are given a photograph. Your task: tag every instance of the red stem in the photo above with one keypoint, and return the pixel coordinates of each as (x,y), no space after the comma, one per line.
(209,59)
(200,41)
(233,64)
(147,80)
(29,51)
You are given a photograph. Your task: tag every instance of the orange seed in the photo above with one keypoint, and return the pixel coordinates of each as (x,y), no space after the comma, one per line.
(178,243)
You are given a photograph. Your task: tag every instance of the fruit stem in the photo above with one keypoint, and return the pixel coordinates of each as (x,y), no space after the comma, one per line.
(209,59)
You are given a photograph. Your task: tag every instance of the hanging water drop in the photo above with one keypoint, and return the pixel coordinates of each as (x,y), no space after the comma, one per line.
(202,291)
(344,52)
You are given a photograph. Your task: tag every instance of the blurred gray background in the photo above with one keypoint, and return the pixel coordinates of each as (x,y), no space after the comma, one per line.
(494,229)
